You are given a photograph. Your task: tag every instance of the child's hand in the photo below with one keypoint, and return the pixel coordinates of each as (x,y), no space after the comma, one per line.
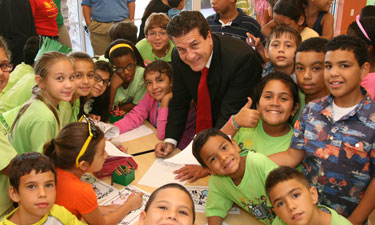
(165,100)
(135,200)
(258,46)
(247,117)
(192,172)
(116,81)
(95,118)
(162,149)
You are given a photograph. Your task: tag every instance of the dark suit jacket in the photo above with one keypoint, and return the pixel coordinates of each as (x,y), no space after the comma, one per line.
(234,72)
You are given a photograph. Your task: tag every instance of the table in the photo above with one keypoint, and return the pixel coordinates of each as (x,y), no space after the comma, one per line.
(145,161)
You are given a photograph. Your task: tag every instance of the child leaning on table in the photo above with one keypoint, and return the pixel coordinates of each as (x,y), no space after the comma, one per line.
(33,186)
(169,204)
(334,136)
(78,149)
(234,178)
(154,105)
(294,200)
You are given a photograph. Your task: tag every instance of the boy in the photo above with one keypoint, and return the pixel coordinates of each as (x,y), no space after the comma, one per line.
(33,178)
(334,137)
(294,200)
(156,45)
(234,179)
(280,50)
(310,68)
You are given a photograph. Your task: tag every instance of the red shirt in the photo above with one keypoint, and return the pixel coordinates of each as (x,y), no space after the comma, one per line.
(45,13)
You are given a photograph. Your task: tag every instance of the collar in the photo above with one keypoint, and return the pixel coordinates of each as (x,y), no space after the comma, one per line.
(236,20)
(208,64)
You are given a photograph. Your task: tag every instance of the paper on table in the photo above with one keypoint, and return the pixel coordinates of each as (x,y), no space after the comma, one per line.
(160,173)
(138,132)
(184,157)
(114,151)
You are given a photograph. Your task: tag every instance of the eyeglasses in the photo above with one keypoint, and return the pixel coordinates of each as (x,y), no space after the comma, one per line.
(154,34)
(93,133)
(6,67)
(120,70)
(98,78)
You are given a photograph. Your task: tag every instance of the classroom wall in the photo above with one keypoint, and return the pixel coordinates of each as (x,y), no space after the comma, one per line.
(346,12)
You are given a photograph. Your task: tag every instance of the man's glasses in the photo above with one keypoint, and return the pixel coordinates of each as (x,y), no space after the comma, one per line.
(100,79)
(93,133)
(120,70)
(6,67)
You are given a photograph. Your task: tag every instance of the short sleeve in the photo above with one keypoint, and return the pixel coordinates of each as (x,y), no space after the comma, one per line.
(7,152)
(86,2)
(217,203)
(87,200)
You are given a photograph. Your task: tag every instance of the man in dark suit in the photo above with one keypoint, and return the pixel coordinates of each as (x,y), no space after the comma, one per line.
(233,72)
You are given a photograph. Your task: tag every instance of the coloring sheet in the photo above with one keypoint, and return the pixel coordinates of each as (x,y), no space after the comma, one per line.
(160,173)
(199,195)
(121,197)
(184,157)
(102,189)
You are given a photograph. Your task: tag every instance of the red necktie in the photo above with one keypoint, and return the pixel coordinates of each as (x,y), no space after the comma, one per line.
(204,119)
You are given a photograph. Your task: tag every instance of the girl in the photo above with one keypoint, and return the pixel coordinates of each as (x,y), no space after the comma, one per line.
(5,66)
(78,149)
(365,29)
(290,13)
(38,120)
(127,87)
(169,204)
(319,18)
(97,102)
(84,78)
(154,105)
(276,100)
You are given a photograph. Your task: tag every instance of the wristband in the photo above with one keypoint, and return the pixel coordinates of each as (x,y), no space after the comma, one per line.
(234,123)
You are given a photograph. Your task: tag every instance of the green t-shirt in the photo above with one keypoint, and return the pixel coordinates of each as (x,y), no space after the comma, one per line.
(257,140)
(69,113)
(302,104)
(16,75)
(34,128)
(135,91)
(145,49)
(18,94)
(250,194)
(7,153)
(336,218)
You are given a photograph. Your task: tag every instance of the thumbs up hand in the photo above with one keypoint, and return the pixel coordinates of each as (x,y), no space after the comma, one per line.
(247,117)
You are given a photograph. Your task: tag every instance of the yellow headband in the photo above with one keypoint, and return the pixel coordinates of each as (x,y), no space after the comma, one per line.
(119,46)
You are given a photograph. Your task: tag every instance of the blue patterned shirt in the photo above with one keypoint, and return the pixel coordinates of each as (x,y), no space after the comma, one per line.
(339,159)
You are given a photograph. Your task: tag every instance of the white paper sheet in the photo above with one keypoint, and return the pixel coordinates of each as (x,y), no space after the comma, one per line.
(138,132)
(112,150)
(160,173)
(102,189)
(184,157)
(109,130)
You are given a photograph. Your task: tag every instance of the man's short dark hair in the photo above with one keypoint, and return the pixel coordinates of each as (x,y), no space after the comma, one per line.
(281,29)
(201,139)
(315,44)
(349,43)
(284,173)
(27,162)
(185,22)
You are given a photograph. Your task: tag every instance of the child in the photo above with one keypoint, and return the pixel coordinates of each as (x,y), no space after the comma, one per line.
(127,85)
(78,149)
(38,120)
(154,105)
(124,30)
(97,102)
(156,45)
(294,200)
(319,18)
(334,134)
(280,50)
(169,204)
(310,69)
(33,179)
(365,29)
(235,179)
(5,66)
(290,13)
(276,100)
(176,7)
(84,79)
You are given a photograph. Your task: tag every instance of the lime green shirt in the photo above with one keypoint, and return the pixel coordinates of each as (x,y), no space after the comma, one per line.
(34,128)
(135,91)
(257,140)
(16,75)
(69,113)
(145,49)
(57,215)
(336,219)
(7,153)
(250,194)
